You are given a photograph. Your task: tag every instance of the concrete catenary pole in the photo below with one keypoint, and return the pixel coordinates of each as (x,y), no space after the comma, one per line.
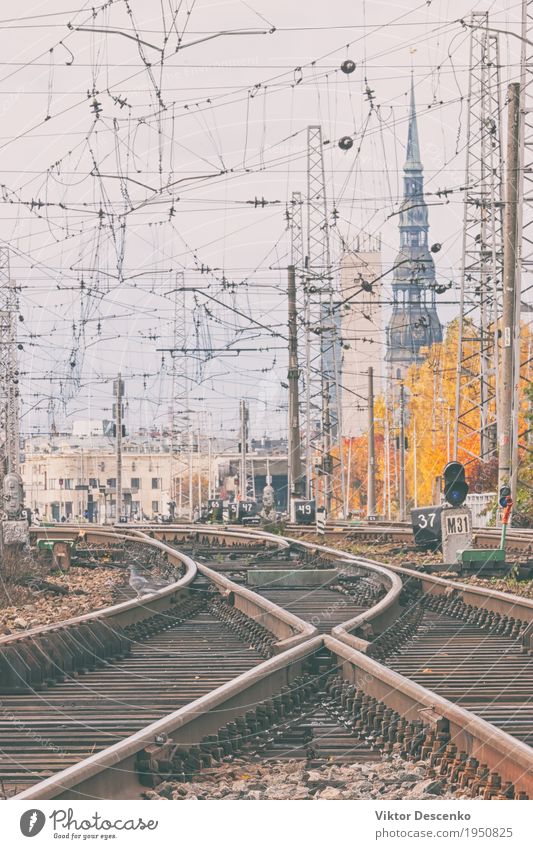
(296,482)
(243,463)
(402,454)
(119,394)
(510,271)
(371,501)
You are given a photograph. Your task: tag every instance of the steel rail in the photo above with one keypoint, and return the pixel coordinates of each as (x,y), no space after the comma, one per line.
(289,629)
(113,771)
(511,758)
(45,654)
(125,612)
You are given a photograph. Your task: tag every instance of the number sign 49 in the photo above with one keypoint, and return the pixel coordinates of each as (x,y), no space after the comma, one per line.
(305,512)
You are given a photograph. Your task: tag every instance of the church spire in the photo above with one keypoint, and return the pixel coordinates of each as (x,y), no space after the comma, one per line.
(412,159)
(414,323)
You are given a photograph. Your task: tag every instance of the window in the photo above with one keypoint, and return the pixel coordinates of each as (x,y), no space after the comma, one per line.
(52,483)
(156,483)
(155,506)
(67,483)
(411,239)
(135,483)
(112,483)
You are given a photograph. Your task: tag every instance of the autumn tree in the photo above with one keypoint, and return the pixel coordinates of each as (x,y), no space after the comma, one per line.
(430,392)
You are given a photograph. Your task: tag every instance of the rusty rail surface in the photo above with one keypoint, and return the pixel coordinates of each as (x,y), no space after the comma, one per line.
(453,736)
(445,731)
(511,759)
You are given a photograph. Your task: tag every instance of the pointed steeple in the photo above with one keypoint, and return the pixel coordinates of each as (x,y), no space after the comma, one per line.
(412,159)
(414,324)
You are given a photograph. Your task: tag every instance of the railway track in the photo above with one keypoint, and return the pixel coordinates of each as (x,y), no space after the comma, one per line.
(469,657)
(377,678)
(333,597)
(519,540)
(74,689)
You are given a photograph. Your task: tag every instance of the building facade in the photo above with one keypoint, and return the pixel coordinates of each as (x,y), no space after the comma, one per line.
(73,478)
(414,323)
(362,331)
(76,483)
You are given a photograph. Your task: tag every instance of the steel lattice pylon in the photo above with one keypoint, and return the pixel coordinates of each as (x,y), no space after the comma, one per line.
(475,436)
(297,254)
(297,233)
(322,403)
(297,260)
(9,376)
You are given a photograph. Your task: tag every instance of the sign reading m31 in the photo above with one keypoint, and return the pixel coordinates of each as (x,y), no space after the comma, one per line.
(458,524)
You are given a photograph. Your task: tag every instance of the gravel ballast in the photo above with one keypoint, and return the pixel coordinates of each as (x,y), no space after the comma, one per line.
(87,590)
(392,778)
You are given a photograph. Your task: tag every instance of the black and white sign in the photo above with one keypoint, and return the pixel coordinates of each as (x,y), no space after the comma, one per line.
(215,507)
(458,523)
(426,522)
(321,520)
(305,512)
(246,509)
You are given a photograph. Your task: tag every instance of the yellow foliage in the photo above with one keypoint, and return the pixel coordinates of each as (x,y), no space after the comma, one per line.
(429,424)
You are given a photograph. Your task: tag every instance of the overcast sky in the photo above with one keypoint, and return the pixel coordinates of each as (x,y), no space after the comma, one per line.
(126,177)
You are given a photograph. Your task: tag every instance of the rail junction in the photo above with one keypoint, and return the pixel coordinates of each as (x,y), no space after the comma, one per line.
(274,647)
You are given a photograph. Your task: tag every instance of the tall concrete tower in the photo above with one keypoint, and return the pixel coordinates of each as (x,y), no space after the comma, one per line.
(414,322)
(362,329)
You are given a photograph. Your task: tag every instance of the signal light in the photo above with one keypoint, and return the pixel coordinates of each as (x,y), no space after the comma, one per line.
(455,485)
(505,496)
(327,464)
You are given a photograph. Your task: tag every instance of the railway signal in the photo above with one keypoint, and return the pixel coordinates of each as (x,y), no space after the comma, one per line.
(495,558)
(455,485)
(506,503)
(504,498)
(321,520)
(456,517)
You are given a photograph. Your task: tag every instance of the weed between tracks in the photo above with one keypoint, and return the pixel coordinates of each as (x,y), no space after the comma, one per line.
(409,557)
